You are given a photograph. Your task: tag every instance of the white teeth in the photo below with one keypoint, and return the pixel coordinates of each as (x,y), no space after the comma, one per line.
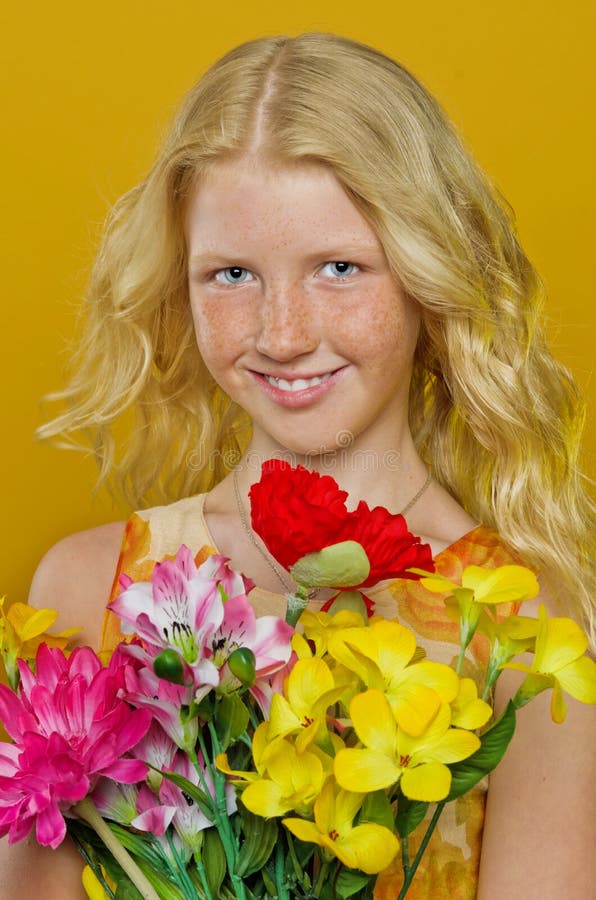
(299,384)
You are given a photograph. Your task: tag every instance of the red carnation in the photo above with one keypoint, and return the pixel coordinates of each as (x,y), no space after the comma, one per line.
(296,512)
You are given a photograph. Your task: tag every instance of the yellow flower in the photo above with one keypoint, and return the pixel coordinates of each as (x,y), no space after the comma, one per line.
(309,691)
(291,780)
(467,711)
(559,662)
(368,847)
(381,655)
(320,627)
(22,630)
(390,755)
(505,584)
(479,588)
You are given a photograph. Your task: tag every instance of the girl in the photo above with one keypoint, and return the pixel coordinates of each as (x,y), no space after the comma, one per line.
(316,268)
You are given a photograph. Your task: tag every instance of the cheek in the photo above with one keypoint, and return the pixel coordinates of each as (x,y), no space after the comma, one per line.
(378,326)
(220,327)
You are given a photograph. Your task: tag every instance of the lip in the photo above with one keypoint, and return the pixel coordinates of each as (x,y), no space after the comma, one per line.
(297,399)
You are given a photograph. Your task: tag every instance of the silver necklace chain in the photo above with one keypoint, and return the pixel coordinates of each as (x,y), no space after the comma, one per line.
(288,587)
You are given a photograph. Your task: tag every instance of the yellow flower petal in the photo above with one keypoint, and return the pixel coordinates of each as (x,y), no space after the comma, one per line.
(559,642)
(455,744)
(303,830)
(221,761)
(374,721)
(428,782)
(300,646)
(414,707)
(558,707)
(282,718)
(265,798)
(93,886)
(370,848)
(307,681)
(29,622)
(504,584)
(365,770)
(345,806)
(356,649)
(579,679)
(396,645)
(436,583)
(467,711)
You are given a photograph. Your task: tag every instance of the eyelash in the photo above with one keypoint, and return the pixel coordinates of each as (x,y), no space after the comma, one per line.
(242,269)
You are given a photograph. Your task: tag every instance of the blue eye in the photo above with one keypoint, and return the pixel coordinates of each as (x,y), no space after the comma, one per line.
(341,269)
(232,275)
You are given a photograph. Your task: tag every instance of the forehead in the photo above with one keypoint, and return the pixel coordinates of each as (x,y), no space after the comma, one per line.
(285,204)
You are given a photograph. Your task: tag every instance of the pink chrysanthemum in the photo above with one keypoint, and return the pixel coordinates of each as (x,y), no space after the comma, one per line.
(70,725)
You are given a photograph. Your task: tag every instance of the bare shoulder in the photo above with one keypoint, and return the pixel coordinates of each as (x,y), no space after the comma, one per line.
(75,577)
(439,519)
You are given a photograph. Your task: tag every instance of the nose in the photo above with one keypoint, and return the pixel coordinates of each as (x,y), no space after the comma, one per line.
(287,324)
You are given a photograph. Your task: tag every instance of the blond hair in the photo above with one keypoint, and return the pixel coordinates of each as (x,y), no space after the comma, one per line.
(496,418)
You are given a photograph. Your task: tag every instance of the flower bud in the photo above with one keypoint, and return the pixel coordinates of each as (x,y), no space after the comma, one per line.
(242,664)
(340,565)
(353,601)
(169,666)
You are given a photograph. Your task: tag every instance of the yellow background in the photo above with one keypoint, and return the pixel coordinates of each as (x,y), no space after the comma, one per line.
(89,87)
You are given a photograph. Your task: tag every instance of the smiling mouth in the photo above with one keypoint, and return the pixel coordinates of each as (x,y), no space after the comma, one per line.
(297,384)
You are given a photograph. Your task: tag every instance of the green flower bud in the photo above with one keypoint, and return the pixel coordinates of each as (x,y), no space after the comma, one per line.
(340,565)
(352,601)
(168,665)
(242,664)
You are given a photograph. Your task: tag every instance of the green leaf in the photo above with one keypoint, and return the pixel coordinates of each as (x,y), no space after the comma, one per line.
(127,891)
(350,882)
(377,808)
(467,773)
(410,814)
(163,884)
(214,860)
(269,883)
(259,838)
(231,719)
(206,804)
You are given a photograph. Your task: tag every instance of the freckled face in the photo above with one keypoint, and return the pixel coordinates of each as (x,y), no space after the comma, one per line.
(296,313)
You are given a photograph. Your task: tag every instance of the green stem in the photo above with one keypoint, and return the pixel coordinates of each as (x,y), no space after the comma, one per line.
(86,810)
(298,870)
(203,877)
(280,873)
(405,855)
(224,825)
(460,660)
(296,605)
(411,870)
(321,878)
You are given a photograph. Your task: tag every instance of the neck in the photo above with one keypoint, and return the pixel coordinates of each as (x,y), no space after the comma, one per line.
(384,476)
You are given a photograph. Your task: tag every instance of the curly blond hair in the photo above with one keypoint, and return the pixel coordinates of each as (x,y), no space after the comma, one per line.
(495,417)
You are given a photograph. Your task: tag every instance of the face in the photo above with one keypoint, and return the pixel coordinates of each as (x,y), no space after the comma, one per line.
(296,312)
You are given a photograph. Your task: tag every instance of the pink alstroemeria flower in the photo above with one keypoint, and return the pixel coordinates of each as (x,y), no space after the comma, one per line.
(180,609)
(267,636)
(165,701)
(120,802)
(178,808)
(70,725)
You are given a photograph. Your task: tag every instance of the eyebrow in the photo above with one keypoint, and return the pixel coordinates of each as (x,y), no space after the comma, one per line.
(343,252)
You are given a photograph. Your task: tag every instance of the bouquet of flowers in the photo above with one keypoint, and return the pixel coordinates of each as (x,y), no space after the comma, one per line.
(217,754)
